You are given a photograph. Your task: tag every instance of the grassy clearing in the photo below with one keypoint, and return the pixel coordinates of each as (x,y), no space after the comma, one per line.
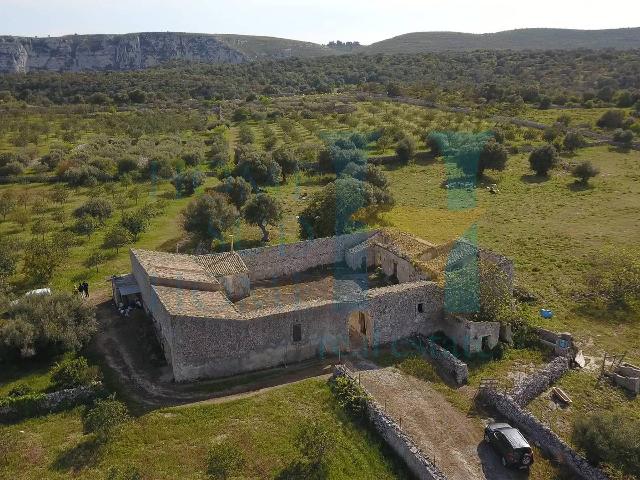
(173,443)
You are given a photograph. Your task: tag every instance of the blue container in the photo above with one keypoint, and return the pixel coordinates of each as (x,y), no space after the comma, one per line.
(544,313)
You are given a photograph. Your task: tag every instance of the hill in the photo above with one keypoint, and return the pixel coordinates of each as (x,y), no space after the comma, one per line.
(143,50)
(524,39)
(136,51)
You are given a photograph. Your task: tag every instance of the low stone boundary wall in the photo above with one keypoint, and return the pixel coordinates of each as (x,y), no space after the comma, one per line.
(446,360)
(541,435)
(535,384)
(44,403)
(399,442)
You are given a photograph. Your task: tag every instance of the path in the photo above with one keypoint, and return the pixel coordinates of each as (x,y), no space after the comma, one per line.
(435,425)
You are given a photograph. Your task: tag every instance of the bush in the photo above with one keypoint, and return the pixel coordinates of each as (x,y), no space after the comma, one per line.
(187,181)
(406,149)
(20,390)
(493,156)
(106,416)
(11,169)
(611,119)
(543,159)
(47,324)
(624,137)
(192,159)
(572,141)
(135,222)
(98,208)
(616,279)
(224,460)
(72,373)
(584,171)
(350,396)
(610,438)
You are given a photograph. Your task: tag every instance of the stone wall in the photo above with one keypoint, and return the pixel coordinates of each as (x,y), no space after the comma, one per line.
(446,361)
(49,402)
(398,441)
(205,347)
(288,259)
(541,435)
(538,382)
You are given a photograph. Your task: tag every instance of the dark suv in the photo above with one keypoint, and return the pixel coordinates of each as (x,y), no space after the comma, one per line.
(510,444)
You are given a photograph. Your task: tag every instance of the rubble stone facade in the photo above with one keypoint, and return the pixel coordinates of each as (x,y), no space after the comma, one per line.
(204,335)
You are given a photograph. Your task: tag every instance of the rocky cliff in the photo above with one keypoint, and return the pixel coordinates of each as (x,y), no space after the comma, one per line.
(140,50)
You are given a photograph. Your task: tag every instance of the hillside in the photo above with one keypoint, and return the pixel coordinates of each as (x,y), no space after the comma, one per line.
(142,50)
(525,39)
(136,51)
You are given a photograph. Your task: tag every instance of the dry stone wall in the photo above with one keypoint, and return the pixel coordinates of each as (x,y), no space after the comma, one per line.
(398,441)
(447,361)
(542,435)
(535,384)
(48,403)
(289,259)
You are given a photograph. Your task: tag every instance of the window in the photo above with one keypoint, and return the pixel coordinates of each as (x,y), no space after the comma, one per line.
(297,332)
(421,308)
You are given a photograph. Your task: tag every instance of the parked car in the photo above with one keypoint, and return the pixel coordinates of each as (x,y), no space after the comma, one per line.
(510,444)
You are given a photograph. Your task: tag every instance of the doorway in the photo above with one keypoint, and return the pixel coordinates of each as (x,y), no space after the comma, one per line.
(360,328)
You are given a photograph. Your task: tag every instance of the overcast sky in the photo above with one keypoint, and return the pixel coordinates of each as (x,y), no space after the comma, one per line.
(315,20)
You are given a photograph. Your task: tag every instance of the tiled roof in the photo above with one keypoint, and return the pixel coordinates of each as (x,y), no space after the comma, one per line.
(172,266)
(196,303)
(222,264)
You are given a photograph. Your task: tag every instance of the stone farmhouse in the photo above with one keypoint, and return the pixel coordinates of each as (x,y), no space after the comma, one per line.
(228,313)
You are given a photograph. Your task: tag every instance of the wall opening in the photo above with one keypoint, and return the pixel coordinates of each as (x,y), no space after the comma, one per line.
(485,344)
(297,332)
(360,331)
(421,308)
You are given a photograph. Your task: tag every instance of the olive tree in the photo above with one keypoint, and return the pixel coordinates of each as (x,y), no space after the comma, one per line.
(263,210)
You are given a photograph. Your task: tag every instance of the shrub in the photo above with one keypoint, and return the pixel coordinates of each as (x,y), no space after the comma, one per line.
(11,169)
(47,324)
(127,165)
(224,460)
(84,176)
(98,208)
(584,171)
(117,237)
(42,258)
(187,181)
(609,438)
(572,141)
(350,396)
(123,473)
(20,390)
(257,168)
(616,279)
(543,159)
(106,416)
(406,149)
(86,225)
(192,159)
(72,373)
(611,119)
(624,137)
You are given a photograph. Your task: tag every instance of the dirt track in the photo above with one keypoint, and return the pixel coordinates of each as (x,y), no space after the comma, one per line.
(437,427)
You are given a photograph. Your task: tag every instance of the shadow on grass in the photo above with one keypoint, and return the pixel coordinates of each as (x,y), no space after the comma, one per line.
(603,312)
(84,455)
(579,186)
(533,179)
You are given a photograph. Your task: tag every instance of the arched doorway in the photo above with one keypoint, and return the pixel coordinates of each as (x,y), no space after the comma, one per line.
(360,327)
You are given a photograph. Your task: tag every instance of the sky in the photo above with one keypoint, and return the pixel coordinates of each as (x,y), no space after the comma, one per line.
(318,21)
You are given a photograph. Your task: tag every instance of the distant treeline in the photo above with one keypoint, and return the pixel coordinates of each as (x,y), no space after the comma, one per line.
(560,77)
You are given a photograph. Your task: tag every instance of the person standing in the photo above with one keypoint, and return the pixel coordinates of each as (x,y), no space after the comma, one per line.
(85,287)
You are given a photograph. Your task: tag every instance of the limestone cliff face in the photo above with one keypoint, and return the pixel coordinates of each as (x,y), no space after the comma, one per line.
(111,52)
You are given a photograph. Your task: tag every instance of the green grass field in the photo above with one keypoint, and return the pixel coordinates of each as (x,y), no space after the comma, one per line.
(555,231)
(173,443)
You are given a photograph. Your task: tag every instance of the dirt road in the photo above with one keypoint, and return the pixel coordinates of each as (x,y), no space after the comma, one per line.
(437,427)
